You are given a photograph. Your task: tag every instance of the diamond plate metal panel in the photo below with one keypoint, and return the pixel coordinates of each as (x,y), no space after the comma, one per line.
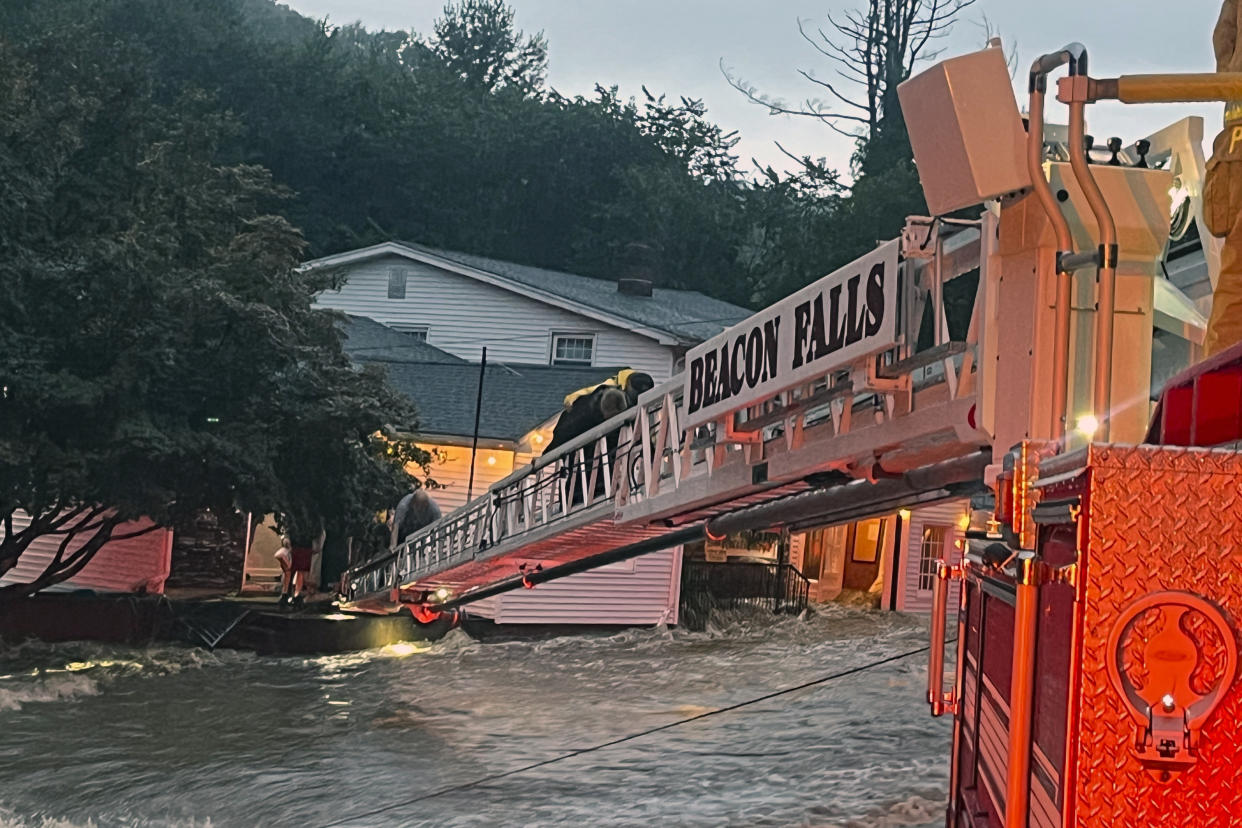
(1158,518)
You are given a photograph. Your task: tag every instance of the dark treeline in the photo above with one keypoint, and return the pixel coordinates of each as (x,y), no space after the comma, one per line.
(165,166)
(452,138)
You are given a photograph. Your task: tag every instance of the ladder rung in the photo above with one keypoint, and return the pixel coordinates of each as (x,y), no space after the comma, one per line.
(921,360)
(843,389)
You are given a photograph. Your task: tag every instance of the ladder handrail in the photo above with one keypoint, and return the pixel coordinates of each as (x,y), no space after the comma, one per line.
(652,453)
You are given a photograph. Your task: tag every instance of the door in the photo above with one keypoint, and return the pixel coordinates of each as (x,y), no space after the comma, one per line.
(823,561)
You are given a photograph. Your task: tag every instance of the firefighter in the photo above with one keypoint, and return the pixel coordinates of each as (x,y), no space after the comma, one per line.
(1222,192)
(590,406)
(414,511)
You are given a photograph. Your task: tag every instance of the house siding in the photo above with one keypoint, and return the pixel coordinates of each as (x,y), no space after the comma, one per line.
(131,565)
(462,315)
(909,597)
(643,591)
(452,472)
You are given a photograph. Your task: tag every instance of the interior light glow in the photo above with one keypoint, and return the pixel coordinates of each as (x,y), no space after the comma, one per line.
(904,514)
(1087,425)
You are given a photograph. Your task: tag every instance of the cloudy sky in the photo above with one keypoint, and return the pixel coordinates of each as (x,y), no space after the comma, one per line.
(678,46)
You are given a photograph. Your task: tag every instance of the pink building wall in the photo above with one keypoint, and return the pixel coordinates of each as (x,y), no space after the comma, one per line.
(131,565)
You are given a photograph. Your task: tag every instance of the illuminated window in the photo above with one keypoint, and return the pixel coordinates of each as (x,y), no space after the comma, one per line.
(573,349)
(931,550)
(396,283)
(868,540)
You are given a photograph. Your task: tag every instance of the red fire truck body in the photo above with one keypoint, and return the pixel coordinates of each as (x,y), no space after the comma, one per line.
(1100,609)
(1096,673)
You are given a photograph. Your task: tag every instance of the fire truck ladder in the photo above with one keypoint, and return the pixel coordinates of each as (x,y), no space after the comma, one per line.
(883,425)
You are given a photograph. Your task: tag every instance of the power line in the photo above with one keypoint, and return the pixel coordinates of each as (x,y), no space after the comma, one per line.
(579,752)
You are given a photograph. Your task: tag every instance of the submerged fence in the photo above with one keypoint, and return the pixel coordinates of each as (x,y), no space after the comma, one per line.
(778,588)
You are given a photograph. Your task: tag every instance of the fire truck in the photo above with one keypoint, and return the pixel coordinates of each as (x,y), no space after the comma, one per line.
(1099,603)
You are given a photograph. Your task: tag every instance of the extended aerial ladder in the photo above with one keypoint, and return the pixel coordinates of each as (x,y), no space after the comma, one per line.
(778,422)
(889,415)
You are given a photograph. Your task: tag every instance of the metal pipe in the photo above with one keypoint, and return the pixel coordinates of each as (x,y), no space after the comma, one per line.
(1171,88)
(802,507)
(531,579)
(959,679)
(1079,261)
(935,658)
(1074,54)
(1021,694)
(1101,398)
(1065,249)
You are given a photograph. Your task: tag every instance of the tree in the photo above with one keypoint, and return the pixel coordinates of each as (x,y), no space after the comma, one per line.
(449,139)
(873,50)
(477,42)
(159,353)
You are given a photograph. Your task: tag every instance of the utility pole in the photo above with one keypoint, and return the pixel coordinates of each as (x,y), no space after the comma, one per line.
(478,410)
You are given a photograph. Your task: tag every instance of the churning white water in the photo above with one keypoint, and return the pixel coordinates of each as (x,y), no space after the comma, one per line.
(103,736)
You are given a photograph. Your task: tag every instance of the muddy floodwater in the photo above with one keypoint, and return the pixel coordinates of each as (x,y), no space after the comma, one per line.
(104,736)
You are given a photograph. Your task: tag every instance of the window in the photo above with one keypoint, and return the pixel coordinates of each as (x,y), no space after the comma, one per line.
(396,283)
(931,550)
(418,332)
(868,540)
(573,349)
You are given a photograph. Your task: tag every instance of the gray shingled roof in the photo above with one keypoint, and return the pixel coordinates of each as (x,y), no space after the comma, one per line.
(688,315)
(516,398)
(370,341)
(444,387)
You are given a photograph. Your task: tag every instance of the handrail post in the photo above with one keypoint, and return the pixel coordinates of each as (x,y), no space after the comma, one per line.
(1060,228)
(1021,692)
(1108,253)
(940,701)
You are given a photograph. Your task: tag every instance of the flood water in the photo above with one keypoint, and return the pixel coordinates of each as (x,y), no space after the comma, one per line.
(103,736)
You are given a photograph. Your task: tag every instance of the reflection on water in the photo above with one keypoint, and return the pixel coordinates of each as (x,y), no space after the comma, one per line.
(94,735)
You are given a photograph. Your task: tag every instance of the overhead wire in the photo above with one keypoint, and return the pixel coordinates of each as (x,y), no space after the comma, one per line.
(623,739)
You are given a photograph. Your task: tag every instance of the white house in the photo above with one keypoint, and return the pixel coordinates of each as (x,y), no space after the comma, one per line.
(461,303)
(547,334)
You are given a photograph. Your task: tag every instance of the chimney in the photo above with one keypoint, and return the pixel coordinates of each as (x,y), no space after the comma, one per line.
(634,287)
(638,266)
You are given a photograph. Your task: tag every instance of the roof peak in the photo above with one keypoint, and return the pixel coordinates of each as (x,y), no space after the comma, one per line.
(670,315)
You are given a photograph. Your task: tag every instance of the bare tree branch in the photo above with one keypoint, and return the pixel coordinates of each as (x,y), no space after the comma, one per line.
(830,88)
(777,107)
(875,48)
